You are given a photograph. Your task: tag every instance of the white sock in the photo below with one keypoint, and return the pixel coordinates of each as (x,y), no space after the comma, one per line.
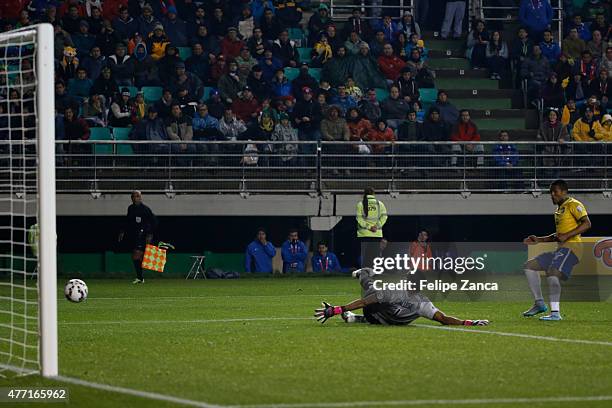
(533,280)
(554,288)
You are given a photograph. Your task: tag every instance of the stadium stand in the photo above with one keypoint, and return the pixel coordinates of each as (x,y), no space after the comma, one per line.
(500,69)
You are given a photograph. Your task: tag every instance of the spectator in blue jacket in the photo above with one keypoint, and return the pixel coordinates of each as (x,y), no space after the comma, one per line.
(325,261)
(550,49)
(176,29)
(259,254)
(506,158)
(269,65)
(583,30)
(536,16)
(294,253)
(280,85)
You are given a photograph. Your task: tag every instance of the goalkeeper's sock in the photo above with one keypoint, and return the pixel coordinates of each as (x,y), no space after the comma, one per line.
(533,280)
(138,267)
(554,289)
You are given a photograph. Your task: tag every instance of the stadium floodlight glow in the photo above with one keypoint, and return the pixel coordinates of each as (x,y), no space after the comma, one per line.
(32,304)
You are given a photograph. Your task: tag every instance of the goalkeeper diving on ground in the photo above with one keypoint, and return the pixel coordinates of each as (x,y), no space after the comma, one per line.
(388,307)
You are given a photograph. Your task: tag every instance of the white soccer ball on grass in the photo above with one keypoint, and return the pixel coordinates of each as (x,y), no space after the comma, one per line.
(75,290)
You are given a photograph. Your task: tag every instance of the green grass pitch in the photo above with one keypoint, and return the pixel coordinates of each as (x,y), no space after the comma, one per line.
(254,342)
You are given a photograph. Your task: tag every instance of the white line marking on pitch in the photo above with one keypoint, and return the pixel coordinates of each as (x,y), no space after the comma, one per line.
(430,402)
(218,296)
(263,319)
(521,335)
(136,393)
(193,403)
(251,319)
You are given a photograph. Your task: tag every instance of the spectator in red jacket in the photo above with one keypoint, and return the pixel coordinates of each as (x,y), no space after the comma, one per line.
(246,106)
(231,44)
(381,133)
(465,130)
(390,64)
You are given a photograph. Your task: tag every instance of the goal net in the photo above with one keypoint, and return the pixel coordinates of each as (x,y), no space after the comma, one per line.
(28,306)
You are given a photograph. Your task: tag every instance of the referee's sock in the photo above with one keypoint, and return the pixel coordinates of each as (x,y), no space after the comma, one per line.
(138,267)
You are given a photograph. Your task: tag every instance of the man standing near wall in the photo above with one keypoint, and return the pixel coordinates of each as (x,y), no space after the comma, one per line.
(453,18)
(259,254)
(139,228)
(294,253)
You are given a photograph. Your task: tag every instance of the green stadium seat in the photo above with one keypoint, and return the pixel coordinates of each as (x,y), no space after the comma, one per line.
(206,93)
(428,96)
(133,90)
(100,133)
(152,93)
(297,35)
(381,94)
(304,53)
(316,73)
(123,134)
(184,52)
(292,73)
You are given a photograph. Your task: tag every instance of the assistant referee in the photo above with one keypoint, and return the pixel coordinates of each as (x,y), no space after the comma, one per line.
(139,228)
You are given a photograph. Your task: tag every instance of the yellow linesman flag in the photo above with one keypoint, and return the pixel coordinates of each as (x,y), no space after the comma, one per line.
(154,258)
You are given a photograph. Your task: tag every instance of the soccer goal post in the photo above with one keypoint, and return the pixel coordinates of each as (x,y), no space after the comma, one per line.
(28,275)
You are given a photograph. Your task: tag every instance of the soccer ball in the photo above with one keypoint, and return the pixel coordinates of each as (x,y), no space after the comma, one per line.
(75,290)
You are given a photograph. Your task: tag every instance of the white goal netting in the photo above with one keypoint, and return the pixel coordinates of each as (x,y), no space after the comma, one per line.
(20,198)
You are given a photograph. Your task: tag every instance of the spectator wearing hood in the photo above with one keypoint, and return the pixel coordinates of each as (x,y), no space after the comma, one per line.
(536,16)
(146,22)
(122,66)
(145,69)
(586,128)
(197,63)
(286,50)
(167,64)
(230,84)
(125,25)
(176,28)
(281,87)
(157,42)
(259,6)
(449,114)
(302,81)
(83,41)
(390,64)
(318,22)
(465,130)
(606,128)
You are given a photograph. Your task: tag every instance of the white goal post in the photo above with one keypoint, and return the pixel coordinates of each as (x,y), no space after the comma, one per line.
(28,264)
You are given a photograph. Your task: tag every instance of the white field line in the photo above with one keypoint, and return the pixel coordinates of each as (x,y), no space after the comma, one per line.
(521,335)
(221,296)
(348,404)
(259,319)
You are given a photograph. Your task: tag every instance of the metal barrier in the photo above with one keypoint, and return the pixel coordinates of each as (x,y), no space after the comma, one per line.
(482,8)
(98,167)
(375,8)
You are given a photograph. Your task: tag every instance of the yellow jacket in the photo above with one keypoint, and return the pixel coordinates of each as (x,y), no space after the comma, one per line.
(377,215)
(580,132)
(605,133)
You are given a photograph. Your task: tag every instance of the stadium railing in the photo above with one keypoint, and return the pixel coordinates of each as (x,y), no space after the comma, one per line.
(487,12)
(340,9)
(336,167)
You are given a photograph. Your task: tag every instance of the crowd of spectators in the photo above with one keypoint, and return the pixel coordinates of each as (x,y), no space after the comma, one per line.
(258,70)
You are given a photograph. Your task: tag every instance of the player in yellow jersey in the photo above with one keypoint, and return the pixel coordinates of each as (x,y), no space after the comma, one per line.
(571,220)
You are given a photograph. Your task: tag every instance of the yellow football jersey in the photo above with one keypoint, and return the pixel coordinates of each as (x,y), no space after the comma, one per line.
(567,216)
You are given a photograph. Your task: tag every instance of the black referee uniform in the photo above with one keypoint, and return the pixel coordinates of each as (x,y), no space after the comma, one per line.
(139,224)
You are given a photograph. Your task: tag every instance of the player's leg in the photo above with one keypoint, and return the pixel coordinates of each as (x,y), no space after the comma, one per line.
(428,310)
(137,255)
(532,269)
(350,317)
(560,269)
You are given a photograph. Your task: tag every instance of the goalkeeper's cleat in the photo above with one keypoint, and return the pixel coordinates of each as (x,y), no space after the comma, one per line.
(475,322)
(553,316)
(137,281)
(357,273)
(349,317)
(537,308)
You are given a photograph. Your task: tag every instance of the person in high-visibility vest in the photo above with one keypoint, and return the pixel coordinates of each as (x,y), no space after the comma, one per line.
(371,217)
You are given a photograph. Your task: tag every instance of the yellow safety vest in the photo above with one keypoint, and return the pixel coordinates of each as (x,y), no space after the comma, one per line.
(377,215)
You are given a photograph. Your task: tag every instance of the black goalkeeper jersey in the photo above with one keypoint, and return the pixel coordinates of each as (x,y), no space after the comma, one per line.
(140,221)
